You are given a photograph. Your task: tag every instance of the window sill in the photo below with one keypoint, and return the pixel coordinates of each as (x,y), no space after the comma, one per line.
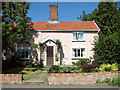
(74,58)
(24,58)
(78,40)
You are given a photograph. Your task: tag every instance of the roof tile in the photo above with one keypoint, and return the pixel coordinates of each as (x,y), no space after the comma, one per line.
(65,25)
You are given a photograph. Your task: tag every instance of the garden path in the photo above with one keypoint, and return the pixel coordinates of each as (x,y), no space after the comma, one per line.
(40,77)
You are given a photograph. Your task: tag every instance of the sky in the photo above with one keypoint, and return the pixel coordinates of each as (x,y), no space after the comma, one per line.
(67,11)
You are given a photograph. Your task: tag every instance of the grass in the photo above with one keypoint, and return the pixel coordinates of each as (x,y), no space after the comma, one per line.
(27,72)
(114,82)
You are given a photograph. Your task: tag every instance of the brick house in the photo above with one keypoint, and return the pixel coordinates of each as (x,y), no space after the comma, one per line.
(76,38)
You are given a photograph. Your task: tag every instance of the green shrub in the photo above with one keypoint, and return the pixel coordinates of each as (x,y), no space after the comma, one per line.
(89,67)
(13,62)
(54,69)
(98,81)
(115,82)
(107,67)
(63,69)
(83,61)
(112,82)
(79,71)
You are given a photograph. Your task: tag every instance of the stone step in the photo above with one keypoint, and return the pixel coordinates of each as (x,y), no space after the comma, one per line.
(33,81)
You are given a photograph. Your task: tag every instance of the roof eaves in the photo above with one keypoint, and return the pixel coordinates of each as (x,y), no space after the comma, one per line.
(63,30)
(96,25)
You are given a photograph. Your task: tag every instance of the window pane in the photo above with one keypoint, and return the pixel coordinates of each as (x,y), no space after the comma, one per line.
(26,54)
(23,56)
(18,53)
(78,52)
(82,52)
(78,36)
(81,35)
(74,36)
(74,53)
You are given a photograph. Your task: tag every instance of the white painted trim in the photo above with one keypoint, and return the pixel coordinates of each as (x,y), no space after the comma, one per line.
(54,55)
(23,48)
(48,38)
(78,47)
(79,39)
(53,22)
(45,62)
(96,25)
(77,57)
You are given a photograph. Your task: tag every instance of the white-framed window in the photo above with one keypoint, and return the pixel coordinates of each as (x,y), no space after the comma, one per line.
(78,52)
(78,36)
(24,52)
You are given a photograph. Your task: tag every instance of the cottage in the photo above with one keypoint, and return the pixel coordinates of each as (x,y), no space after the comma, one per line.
(76,39)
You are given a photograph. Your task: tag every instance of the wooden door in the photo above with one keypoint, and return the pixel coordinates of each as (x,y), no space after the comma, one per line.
(49,55)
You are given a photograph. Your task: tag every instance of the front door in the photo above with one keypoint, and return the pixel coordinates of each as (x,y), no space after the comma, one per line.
(49,55)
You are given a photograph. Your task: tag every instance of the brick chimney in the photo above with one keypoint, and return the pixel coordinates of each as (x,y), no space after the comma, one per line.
(53,12)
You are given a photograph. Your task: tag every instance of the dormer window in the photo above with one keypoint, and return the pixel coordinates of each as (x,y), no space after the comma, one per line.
(78,36)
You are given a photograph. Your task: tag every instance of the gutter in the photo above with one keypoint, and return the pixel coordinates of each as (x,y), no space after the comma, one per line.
(64,30)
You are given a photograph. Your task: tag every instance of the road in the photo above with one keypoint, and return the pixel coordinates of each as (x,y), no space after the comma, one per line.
(51,86)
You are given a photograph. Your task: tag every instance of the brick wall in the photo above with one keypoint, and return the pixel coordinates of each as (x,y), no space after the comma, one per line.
(11,78)
(79,78)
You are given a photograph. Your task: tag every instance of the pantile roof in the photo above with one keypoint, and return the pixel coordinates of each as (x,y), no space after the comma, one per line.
(65,26)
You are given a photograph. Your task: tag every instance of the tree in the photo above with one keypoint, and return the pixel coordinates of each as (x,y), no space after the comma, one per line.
(84,17)
(107,51)
(15,24)
(107,17)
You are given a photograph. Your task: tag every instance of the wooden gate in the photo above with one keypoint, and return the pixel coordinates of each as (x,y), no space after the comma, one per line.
(49,55)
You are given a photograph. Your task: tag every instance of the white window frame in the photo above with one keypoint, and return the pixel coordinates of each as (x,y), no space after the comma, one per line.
(26,49)
(78,47)
(77,37)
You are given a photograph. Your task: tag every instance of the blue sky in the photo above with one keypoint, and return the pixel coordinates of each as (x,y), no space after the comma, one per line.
(67,11)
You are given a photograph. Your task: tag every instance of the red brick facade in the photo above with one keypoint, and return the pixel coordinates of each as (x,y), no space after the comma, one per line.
(11,78)
(80,78)
(53,12)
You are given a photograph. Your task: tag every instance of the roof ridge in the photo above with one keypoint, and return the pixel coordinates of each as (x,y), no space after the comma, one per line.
(63,21)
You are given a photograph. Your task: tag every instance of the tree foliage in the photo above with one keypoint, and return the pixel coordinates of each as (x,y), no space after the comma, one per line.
(107,51)
(14,24)
(107,17)
(84,17)
(40,46)
(59,45)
